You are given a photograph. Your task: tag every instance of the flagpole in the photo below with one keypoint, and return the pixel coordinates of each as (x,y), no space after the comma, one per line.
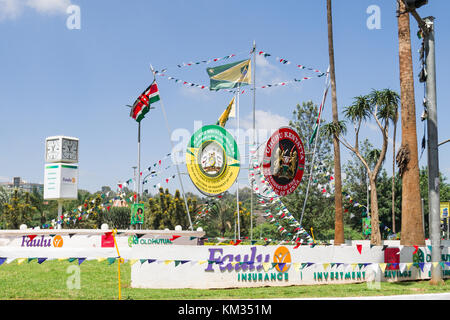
(327,85)
(138,164)
(174,158)
(254,135)
(237,180)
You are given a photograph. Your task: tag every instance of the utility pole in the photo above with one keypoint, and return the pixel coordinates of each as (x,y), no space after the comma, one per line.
(433,153)
(427,27)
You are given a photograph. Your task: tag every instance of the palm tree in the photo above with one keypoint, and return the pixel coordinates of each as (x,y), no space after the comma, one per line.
(407,157)
(376,105)
(392,100)
(339,218)
(221,215)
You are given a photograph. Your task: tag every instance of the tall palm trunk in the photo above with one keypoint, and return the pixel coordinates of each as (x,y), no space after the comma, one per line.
(339,219)
(407,159)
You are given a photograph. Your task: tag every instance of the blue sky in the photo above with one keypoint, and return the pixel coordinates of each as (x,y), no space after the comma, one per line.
(58,81)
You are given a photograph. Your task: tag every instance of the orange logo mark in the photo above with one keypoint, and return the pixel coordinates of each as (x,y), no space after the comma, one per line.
(57,241)
(282,257)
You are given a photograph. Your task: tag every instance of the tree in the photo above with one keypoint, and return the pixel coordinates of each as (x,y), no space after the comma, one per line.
(219,216)
(394,121)
(407,157)
(356,190)
(339,223)
(166,211)
(376,105)
(17,210)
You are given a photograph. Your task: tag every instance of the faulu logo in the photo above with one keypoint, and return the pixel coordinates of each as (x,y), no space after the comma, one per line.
(282,258)
(34,241)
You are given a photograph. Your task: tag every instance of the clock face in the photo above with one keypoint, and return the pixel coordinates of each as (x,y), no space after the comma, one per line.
(69,150)
(53,149)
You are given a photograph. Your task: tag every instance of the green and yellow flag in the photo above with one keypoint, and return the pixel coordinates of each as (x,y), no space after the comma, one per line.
(230,112)
(230,75)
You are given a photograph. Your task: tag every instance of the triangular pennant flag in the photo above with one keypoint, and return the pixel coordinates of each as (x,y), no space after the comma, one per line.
(281,265)
(408,265)
(166,262)
(359,248)
(178,262)
(174,237)
(421,265)
(150,260)
(40,260)
(2,260)
(21,260)
(31,259)
(384,247)
(296,266)
(111,260)
(132,261)
(402,267)
(81,260)
(31,237)
(382,266)
(416,249)
(266,266)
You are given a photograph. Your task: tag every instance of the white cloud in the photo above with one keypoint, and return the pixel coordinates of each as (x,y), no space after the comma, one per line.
(265,120)
(49,6)
(12,9)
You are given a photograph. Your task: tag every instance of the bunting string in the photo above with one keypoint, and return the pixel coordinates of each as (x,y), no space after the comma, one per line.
(287,62)
(268,198)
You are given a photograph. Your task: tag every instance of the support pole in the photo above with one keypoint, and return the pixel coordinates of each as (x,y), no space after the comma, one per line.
(254,135)
(138,165)
(60,204)
(237,180)
(433,153)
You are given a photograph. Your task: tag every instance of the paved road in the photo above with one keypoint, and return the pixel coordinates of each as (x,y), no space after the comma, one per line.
(429,296)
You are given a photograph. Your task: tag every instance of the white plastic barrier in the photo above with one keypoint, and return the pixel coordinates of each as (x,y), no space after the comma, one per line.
(87,243)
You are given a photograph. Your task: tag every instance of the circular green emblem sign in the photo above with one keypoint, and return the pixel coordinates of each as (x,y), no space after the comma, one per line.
(212,160)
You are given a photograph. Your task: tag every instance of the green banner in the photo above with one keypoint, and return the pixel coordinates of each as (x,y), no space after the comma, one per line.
(366,226)
(137,213)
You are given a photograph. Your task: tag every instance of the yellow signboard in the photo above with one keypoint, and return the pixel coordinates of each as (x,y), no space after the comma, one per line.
(212,160)
(444,207)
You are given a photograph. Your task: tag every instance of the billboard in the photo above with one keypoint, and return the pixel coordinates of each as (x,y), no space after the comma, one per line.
(60,181)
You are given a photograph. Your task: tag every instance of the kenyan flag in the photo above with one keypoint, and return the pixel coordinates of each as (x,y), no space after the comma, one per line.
(142,104)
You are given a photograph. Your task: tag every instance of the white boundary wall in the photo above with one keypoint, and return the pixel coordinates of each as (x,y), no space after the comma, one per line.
(172,259)
(200,267)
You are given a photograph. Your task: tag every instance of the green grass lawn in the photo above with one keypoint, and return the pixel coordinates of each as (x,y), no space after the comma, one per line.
(99,281)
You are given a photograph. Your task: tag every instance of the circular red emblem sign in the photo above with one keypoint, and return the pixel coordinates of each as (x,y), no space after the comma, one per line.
(284,161)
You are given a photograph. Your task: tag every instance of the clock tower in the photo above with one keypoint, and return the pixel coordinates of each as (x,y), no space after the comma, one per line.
(61,170)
